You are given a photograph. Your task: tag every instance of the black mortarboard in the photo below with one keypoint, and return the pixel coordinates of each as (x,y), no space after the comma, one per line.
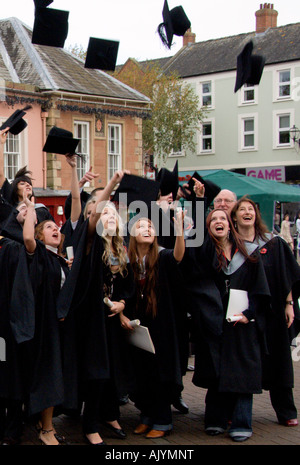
(249,67)
(168,181)
(175,23)
(60,141)
(101,54)
(211,189)
(15,122)
(50,27)
(42,3)
(137,188)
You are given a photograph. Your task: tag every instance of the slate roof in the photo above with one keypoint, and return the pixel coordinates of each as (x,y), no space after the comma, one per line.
(51,68)
(279,44)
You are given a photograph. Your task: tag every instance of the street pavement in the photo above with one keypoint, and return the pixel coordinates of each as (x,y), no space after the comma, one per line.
(188,428)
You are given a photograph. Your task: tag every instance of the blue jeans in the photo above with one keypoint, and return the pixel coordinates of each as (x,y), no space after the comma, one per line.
(222,407)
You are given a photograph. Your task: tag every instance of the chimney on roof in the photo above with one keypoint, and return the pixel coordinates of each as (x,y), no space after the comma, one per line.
(188,38)
(266,17)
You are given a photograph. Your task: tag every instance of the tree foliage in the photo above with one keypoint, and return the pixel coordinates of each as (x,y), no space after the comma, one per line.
(176,114)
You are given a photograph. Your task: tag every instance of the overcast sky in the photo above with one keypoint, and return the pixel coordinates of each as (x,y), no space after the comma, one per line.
(134,22)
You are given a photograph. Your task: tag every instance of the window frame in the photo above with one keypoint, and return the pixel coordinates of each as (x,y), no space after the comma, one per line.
(212,93)
(112,169)
(83,163)
(276,128)
(241,132)
(210,121)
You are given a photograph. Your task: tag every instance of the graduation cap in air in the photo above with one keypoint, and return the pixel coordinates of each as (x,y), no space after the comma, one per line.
(175,23)
(168,181)
(249,67)
(211,189)
(42,3)
(60,141)
(137,188)
(101,54)
(15,122)
(50,27)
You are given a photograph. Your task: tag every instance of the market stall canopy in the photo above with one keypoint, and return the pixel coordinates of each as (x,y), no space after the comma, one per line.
(262,191)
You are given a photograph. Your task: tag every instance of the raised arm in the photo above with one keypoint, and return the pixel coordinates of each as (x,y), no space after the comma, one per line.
(29,225)
(179,247)
(3,137)
(75,191)
(102,198)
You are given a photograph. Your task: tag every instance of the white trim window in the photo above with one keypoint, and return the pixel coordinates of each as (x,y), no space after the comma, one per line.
(12,156)
(283,79)
(284,83)
(207,137)
(207,94)
(82,132)
(283,121)
(248,94)
(248,132)
(114,149)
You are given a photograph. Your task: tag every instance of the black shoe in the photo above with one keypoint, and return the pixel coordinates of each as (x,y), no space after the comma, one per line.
(102,443)
(10,442)
(213,432)
(123,400)
(180,405)
(119,432)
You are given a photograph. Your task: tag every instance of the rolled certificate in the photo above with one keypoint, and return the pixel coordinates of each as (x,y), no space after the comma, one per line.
(108,302)
(134,323)
(70,252)
(232,318)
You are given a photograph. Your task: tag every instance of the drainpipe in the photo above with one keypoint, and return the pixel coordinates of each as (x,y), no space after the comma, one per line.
(44,116)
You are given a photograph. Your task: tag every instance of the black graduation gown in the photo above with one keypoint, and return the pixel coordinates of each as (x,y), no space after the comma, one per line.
(41,344)
(283,274)
(8,207)
(100,350)
(230,357)
(162,328)
(11,372)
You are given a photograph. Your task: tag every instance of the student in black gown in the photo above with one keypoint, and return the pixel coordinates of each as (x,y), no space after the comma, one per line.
(100,269)
(228,356)
(12,192)
(48,272)
(158,376)
(283,275)
(12,387)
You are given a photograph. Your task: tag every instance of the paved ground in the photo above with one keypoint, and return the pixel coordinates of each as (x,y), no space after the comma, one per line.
(188,429)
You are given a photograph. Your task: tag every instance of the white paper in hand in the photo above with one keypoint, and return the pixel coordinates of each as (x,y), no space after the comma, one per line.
(237,303)
(140,337)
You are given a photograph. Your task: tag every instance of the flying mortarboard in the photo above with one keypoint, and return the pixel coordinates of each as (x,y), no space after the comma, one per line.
(168,181)
(50,27)
(42,3)
(175,23)
(249,67)
(211,189)
(137,188)
(101,54)
(15,122)
(60,141)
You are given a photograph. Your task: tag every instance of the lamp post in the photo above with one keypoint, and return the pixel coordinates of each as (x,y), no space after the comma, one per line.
(295,135)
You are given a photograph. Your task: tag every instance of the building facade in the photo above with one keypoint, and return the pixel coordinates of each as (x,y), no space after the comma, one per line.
(247,131)
(104,114)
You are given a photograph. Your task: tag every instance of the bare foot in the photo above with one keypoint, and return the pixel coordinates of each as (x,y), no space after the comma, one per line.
(94,438)
(47,437)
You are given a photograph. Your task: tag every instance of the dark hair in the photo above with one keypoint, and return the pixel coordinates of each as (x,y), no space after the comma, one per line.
(234,238)
(261,228)
(22,175)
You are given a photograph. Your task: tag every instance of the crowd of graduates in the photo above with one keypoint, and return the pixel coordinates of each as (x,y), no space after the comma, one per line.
(67,350)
